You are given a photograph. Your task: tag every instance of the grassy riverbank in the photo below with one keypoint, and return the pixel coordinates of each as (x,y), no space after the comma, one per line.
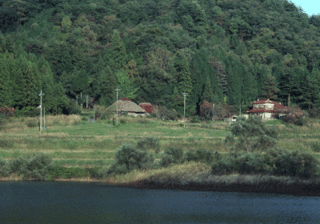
(80,149)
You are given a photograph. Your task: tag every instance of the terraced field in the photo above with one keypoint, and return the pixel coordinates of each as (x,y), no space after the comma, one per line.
(72,141)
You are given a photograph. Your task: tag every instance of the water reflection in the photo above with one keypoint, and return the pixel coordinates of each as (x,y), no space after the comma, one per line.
(56,202)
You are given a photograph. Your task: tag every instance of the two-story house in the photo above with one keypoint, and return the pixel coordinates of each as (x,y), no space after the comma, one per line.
(265,108)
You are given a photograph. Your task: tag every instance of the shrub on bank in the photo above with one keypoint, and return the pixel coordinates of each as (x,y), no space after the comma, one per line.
(172,156)
(149,143)
(200,155)
(275,161)
(129,158)
(251,135)
(36,166)
(4,169)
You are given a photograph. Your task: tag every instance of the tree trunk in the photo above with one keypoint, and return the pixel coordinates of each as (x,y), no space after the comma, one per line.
(289,100)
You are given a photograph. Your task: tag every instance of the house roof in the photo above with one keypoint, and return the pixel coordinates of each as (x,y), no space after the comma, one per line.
(276,107)
(126,106)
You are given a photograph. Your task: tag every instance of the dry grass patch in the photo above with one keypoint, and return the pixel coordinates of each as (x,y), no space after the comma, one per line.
(63,120)
(187,169)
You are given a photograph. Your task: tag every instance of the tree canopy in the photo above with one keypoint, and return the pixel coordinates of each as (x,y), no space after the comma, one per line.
(226,51)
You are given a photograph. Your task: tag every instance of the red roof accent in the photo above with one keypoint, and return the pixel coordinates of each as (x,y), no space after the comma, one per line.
(147,107)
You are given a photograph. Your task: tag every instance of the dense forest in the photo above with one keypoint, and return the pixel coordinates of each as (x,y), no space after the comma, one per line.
(227,52)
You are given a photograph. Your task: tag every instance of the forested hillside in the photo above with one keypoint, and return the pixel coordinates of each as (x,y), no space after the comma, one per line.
(222,51)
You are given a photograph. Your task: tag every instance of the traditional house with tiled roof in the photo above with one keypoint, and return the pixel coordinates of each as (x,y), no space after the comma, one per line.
(127,106)
(266,109)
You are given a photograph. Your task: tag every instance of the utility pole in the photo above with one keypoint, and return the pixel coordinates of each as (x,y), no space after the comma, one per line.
(41,94)
(94,113)
(117,90)
(81,104)
(44,117)
(184,108)
(87,102)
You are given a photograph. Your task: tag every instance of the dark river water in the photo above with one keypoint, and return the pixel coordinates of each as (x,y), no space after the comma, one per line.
(69,202)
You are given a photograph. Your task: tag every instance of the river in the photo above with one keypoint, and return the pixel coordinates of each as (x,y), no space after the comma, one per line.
(76,202)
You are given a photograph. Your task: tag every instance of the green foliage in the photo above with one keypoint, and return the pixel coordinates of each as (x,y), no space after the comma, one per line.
(148,143)
(252,135)
(201,155)
(129,158)
(193,46)
(292,163)
(4,168)
(117,53)
(36,166)
(172,156)
(270,88)
(128,89)
(73,108)
(275,161)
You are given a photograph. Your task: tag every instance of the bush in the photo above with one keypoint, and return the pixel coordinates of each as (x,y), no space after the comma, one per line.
(149,143)
(172,155)
(314,113)
(292,163)
(31,123)
(251,134)
(164,113)
(129,158)
(73,108)
(316,147)
(122,121)
(201,155)
(276,162)
(300,121)
(4,169)
(195,119)
(36,166)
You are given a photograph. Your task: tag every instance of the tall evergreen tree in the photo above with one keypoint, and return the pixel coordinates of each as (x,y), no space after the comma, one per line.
(105,84)
(2,43)
(5,87)
(27,85)
(184,75)
(9,44)
(270,89)
(208,94)
(117,53)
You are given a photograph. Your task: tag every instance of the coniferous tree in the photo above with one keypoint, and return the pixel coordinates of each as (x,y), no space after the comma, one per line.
(117,53)
(208,94)
(2,43)
(9,44)
(286,82)
(310,95)
(234,82)
(5,93)
(184,75)
(27,85)
(270,88)
(106,83)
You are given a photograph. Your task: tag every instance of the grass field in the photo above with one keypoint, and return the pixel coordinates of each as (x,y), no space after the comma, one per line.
(73,141)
